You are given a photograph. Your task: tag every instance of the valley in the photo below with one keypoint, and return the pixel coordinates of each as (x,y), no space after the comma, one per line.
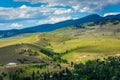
(55,51)
(60,40)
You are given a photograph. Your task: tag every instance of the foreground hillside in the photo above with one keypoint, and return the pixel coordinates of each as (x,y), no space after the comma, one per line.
(21,53)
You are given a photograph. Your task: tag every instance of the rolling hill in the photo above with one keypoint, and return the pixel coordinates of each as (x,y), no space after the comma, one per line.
(21,53)
(75,43)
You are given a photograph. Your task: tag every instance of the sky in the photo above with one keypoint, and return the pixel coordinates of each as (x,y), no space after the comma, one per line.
(18,14)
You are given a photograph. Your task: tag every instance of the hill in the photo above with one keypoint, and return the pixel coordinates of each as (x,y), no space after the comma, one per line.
(21,53)
(91,40)
(51,27)
(75,43)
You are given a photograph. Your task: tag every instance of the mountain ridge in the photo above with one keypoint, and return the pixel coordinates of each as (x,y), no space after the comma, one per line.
(51,27)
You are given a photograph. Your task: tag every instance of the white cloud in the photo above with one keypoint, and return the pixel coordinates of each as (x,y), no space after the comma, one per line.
(85,9)
(80,5)
(54,19)
(49,13)
(25,12)
(62,11)
(13,13)
(58,19)
(16,25)
(111,13)
(23,7)
(76,7)
(42,12)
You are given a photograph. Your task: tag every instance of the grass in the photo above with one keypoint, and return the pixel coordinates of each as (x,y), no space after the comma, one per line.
(100,46)
(11,54)
(30,70)
(90,43)
(86,43)
(91,47)
(25,38)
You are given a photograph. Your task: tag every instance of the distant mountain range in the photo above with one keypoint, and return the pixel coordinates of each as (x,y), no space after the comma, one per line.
(51,27)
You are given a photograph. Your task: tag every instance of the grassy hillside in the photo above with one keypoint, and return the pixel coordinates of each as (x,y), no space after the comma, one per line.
(75,43)
(25,38)
(21,53)
(90,42)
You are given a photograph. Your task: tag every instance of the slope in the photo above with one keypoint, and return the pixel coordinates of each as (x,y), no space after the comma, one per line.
(76,43)
(91,40)
(21,53)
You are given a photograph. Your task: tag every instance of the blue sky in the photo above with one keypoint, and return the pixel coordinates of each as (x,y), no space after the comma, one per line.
(17,14)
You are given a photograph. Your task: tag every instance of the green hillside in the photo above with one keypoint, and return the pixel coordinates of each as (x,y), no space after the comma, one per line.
(21,53)
(24,38)
(59,53)
(91,40)
(75,43)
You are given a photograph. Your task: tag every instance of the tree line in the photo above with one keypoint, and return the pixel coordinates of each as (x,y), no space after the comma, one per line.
(107,69)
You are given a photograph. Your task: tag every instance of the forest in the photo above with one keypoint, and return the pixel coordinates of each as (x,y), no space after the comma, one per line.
(106,69)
